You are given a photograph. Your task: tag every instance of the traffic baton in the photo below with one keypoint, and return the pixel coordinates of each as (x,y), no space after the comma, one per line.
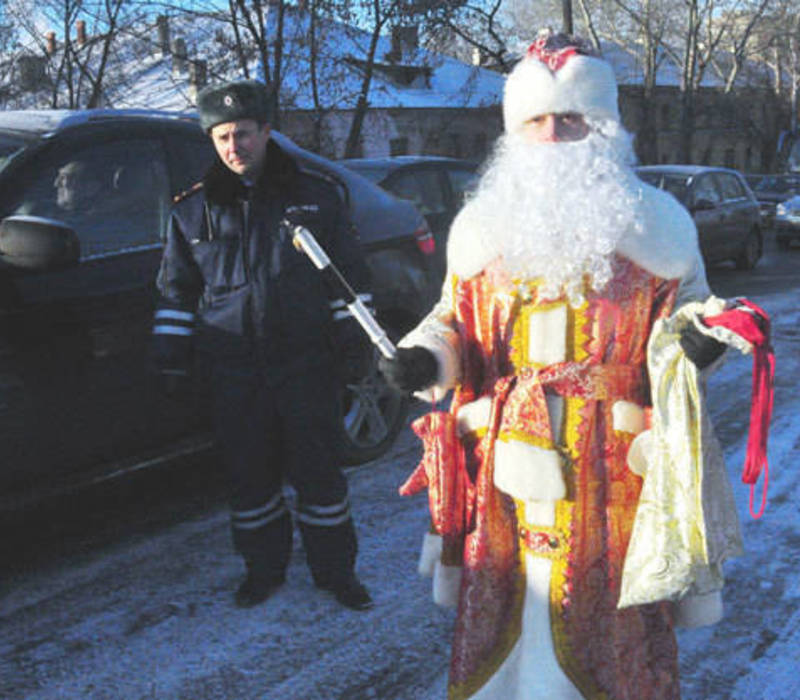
(304,241)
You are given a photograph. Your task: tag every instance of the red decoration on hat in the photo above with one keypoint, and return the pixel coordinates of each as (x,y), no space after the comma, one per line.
(752,323)
(554,50)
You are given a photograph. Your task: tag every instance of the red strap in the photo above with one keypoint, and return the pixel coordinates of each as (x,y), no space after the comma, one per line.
(752,323)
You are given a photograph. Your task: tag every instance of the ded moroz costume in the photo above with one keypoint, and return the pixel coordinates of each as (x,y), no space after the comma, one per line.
(570,287)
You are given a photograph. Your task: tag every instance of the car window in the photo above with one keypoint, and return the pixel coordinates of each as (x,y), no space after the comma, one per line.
(421,187)
(758,182)
(772,183)
(462,181)
(10,145)
(729,186)
(114,194)
(705,189)
(675,184)
(194,157)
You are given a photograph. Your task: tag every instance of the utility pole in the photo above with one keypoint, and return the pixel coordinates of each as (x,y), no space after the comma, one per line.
(566,14)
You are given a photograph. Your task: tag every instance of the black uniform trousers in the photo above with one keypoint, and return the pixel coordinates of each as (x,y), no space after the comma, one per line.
(271,432)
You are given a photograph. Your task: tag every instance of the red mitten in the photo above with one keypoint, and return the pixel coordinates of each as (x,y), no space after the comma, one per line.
(443,471)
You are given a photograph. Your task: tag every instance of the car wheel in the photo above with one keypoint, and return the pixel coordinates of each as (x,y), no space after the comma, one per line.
(372,415)
(784,243)
(751,252)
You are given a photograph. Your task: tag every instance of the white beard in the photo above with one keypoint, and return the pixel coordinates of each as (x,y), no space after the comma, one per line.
(558,211)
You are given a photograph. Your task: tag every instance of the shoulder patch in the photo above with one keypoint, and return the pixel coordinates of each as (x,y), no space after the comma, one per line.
(183,195)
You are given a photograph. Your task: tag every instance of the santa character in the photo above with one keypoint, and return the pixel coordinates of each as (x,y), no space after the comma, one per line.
(581,504)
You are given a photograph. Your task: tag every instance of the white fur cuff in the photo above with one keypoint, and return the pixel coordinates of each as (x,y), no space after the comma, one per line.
(446,585)
(627,417)
(474,415)
(528,472)
(698,610)
(641,447)
(430,554)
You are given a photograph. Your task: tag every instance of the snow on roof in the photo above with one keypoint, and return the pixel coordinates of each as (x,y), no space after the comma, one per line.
(422,79)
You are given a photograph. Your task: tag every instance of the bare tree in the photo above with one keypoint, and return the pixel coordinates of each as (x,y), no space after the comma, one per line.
(86,33)
(380,13)
(486,27)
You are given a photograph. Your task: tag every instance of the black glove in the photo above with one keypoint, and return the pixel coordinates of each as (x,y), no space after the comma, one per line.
(700,348)
(411,369)
(306,216)
(353,350)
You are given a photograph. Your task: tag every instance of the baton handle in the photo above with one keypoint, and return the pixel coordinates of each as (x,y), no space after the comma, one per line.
(304,241)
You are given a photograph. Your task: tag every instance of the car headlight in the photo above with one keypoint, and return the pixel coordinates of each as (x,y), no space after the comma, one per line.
(781,210)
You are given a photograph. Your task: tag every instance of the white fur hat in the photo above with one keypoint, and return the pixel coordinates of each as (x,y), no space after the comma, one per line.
(559,74)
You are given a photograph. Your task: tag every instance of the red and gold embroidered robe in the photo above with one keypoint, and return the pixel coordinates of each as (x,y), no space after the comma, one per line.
(598,366)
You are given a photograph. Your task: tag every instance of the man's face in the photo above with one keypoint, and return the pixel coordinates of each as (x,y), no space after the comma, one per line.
(241,145)
(73,184)
(552,128)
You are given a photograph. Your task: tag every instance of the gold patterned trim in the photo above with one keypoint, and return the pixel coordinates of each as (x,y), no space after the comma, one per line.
(527,438)
(541,540)
(574,428)
(560,601)
(520,339)
(490,665)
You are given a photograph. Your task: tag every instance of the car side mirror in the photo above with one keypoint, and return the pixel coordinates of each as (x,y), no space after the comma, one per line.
(703,205)
(37,244)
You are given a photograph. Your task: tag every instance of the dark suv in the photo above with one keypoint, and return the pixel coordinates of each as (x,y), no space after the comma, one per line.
(84,199)
(434,184)
(722,205)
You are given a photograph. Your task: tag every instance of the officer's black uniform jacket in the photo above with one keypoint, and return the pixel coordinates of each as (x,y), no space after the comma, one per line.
(230,272)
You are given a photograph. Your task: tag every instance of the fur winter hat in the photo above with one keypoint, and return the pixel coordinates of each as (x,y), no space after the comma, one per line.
(558,74)
(229,102)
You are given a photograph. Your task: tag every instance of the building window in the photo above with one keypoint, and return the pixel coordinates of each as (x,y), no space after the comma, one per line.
(455,145)
(665,115)
(730,158)
(479,145)
(432,144)
(398,147)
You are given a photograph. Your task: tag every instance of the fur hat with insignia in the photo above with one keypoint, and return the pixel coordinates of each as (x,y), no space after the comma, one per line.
(232,101)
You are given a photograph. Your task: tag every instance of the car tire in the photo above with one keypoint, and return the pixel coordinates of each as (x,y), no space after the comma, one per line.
(372,415)
(784,243)
(750,253)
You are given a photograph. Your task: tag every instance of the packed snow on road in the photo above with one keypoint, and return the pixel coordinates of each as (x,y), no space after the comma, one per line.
(152,616)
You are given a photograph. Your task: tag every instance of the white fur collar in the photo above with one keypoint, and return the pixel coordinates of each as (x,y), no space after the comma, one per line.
(667,248)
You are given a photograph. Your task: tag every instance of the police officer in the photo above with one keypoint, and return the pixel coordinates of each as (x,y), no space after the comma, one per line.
(233,285)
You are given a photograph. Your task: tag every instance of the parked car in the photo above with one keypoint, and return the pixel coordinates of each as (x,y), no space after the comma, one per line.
(771,190)
(77,274)
(787,222)
(722,205)
(436,186)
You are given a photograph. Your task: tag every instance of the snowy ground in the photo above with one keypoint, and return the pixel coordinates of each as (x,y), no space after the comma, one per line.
(151,616)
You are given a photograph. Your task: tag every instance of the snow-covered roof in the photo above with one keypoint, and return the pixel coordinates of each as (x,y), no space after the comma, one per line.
(142,76)
(419,79)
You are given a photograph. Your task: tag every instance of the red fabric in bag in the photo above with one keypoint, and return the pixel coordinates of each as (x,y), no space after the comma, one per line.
(752,323)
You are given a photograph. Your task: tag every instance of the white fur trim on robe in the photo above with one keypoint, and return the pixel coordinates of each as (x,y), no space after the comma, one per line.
(446,579)
(436,333)
(474,415)
(531,671)
(627,417)
(667,247)
(528,472)
(698,610)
